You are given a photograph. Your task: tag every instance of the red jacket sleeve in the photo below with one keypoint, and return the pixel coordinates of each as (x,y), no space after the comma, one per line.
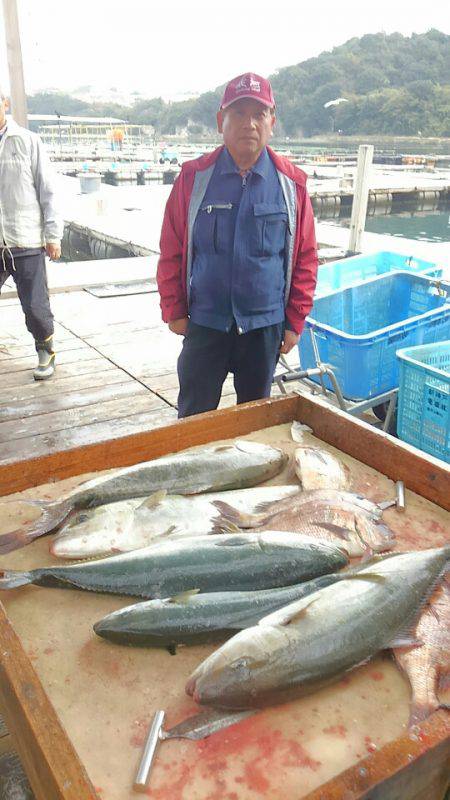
(170,274)
(304,273)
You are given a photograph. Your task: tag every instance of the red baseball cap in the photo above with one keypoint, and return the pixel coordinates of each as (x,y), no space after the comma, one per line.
(248,85)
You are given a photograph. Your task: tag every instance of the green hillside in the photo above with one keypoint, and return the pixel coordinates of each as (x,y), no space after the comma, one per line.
(392,85)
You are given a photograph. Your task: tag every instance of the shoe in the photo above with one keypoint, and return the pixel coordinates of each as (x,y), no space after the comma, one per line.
(46,360)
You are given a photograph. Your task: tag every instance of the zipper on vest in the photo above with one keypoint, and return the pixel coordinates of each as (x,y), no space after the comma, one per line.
(209,208)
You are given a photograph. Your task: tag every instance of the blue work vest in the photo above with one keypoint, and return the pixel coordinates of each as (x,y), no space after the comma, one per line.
(239,242)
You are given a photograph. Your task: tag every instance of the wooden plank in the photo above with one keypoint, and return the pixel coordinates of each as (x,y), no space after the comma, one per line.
(64,440)
(77,399)
(404,769)
(29,361)
(142,446)
(22,351)
(47,423)
(109,374)
(428,476)
(73,370)
(51,763)
(17,333)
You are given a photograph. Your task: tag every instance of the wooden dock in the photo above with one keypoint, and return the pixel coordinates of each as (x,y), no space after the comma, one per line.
(116,374)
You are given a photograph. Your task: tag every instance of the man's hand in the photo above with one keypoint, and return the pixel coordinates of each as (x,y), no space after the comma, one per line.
(179,326)
(53,251)
(290,341)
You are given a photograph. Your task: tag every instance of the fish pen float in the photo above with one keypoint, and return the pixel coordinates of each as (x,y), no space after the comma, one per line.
(79,708)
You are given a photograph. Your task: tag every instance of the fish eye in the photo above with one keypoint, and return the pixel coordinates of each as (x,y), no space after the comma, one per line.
(82,517)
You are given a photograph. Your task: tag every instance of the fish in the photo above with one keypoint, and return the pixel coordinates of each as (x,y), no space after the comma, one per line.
(223,562)
(192,618)
(313,642)
(130,524)
(318,469)
(428,666)
(230,466)
(337,516)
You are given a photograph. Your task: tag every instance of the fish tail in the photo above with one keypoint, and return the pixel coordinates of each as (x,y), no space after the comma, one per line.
(52,516)
(230,514)
(11,579)
(421,710)
(386,531)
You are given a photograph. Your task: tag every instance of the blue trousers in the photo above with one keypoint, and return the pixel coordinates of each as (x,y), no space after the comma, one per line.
(208,355)
(30,276)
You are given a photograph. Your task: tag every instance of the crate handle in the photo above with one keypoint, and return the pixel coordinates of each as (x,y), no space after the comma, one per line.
(396,337)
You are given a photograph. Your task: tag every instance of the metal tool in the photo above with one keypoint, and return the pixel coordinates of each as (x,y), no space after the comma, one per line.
(399,501)
(142,775)
(194,728)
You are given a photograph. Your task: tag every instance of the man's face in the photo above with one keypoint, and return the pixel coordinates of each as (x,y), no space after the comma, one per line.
(246,127)
(3,107)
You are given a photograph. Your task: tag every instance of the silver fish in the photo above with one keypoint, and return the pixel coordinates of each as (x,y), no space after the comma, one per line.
(130,524)
(208,563)
(191,618)
(314,641)
(230,466)
(318,469)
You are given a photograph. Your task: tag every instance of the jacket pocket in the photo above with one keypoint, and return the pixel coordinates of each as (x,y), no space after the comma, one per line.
(214,228)
(270,224)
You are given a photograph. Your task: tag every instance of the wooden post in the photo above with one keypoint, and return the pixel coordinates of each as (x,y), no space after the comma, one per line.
(360,198)
(15,66)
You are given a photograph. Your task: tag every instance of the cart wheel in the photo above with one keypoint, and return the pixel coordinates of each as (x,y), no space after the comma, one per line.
(380,412)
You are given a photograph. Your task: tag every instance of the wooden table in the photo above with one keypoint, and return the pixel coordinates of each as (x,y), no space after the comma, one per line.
(79,707)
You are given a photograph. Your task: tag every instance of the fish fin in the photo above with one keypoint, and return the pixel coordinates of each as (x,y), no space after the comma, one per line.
(154,500)
(288,614)
(232,514)
(404,639)
(263,507)
(385,531)
(172,649)
(367,554)
(300,614)
(53,515)
(419,712)
(10,579)
(338,530)
(183,597)
(236,541)
(373,577)
(171,529)
(297,431)
(224,526)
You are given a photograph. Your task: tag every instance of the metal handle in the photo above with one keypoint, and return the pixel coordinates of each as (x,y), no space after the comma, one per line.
(400,492)
(142,775)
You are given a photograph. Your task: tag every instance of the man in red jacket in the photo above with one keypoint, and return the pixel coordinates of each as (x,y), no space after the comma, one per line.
(238,264)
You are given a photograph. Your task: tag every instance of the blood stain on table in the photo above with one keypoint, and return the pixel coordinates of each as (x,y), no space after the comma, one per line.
(336,730)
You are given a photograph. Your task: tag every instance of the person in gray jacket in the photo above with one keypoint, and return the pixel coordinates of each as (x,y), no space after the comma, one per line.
(30,227)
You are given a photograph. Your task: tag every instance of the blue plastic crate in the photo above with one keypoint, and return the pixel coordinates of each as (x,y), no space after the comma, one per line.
(358,330)
(350,271)
(424,398)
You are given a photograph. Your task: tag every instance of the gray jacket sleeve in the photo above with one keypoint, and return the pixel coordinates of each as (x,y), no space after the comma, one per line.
(45,183)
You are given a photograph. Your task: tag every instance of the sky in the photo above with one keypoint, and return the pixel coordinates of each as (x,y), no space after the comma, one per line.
(181,46)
